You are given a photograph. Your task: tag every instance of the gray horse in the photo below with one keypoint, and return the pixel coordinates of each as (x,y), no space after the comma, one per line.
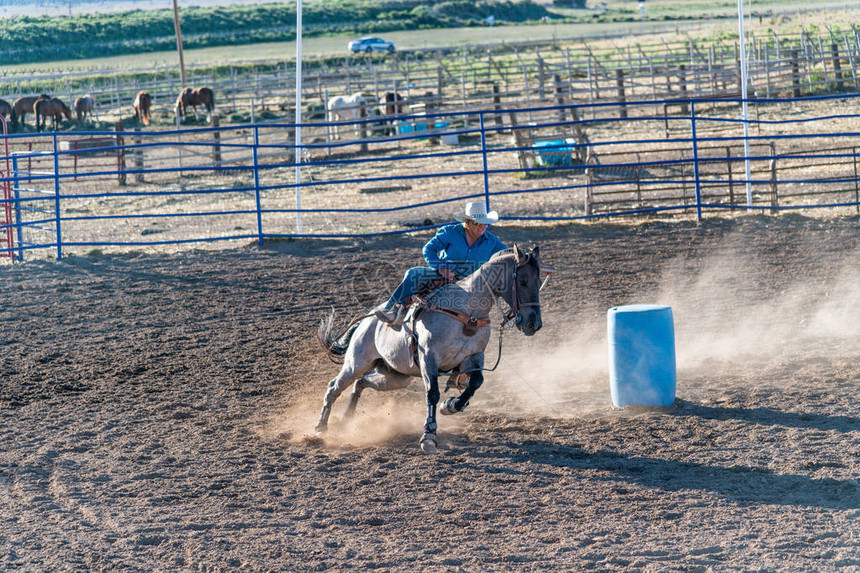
(450,335)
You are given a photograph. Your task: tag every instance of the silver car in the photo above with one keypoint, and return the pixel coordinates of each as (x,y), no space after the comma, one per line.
(370,44)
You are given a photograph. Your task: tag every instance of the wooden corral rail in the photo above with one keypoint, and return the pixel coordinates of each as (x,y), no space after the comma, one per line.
(665,177)
(836,169)
(83,148)
(565,145)
(527,76)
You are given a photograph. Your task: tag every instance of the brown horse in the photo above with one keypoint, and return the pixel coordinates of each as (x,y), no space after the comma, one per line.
(84,106)
(53,108)
(193,98)
(6,110)
(391,106)
(24,105)
(142,104)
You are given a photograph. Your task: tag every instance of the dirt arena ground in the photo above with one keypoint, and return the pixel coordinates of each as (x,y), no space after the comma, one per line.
(156,413)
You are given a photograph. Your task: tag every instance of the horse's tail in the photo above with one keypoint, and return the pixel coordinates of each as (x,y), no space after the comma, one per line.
(335,345)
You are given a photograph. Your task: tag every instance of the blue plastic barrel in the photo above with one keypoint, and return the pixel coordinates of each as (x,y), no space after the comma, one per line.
(641,355)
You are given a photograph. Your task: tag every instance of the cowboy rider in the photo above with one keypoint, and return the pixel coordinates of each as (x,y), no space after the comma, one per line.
(456,251)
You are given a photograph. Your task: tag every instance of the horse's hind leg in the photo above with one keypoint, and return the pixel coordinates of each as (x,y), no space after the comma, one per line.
(349,373)
(380,379)
(357,388)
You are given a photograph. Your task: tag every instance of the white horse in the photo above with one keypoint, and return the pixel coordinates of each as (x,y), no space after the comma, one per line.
(450,335)
(348,109)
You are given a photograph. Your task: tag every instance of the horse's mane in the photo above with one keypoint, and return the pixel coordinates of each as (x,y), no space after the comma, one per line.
(510,251)
(502,253)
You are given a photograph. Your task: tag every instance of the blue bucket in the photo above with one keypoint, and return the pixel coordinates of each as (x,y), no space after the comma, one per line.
(641,355)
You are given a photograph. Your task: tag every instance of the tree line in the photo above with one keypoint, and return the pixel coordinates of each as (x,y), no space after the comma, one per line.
(45,38)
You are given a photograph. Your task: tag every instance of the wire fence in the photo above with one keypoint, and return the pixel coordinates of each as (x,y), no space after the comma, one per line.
(522,75)
(169,190)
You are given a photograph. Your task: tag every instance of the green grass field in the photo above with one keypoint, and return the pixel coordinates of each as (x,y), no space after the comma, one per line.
(333,45)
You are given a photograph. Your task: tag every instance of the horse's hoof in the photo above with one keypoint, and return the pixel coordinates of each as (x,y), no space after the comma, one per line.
(448,407)
(428,443)
(321,430)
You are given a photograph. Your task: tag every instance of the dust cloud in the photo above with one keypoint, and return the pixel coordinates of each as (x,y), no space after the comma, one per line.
(380,418)
(729,318)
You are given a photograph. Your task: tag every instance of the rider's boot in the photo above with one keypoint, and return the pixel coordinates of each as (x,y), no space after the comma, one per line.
(394,317)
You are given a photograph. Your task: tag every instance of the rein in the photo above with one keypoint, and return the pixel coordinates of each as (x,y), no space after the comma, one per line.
(512,314)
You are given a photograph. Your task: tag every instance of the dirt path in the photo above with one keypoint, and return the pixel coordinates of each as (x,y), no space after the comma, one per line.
(156,413)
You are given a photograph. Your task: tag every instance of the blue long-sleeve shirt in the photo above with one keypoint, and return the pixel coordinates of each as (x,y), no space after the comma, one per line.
(450,249)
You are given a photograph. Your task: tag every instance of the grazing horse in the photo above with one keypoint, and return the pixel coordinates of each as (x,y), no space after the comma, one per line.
(206,97)
(392,107)
(53,108)
(449,338)
(84,107)
(142,104)
(24,105)
(193,98)
(6,110)
(348,108)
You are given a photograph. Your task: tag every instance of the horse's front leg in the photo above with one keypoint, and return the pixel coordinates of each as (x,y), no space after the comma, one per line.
(473,365)
(430,373)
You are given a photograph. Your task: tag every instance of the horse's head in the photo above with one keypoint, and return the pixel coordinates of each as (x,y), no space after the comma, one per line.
(523,295)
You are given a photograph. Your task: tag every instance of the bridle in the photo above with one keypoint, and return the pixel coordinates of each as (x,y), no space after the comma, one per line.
(514,312)
(516,305)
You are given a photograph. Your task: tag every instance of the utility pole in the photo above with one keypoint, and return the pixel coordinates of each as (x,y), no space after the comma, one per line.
(298,155)
(179,42)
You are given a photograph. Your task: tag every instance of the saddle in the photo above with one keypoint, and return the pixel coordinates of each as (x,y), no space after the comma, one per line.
(418,303)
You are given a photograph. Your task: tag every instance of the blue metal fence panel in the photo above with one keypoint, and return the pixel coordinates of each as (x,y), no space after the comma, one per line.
(235,183)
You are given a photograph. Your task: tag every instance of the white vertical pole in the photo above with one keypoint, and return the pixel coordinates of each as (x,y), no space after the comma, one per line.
(744,97)
(298,151)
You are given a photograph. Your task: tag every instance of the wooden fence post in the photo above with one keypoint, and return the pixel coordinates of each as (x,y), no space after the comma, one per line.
(216,136)
(440,83)
(520,143)
(774,186)
(362,130)
(291,142)
(138,156)
(559,96)
(856,184)
(795,74)
(622,100)
(497,104)
(593,87)
(668,79)
(541,91)
(682,87)
(837,67)
(120,155)
(590,162)
(767,70)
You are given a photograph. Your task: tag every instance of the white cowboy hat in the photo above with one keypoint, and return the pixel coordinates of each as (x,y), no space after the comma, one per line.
(477,211)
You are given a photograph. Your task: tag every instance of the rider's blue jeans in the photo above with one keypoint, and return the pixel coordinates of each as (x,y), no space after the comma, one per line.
(413,281)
